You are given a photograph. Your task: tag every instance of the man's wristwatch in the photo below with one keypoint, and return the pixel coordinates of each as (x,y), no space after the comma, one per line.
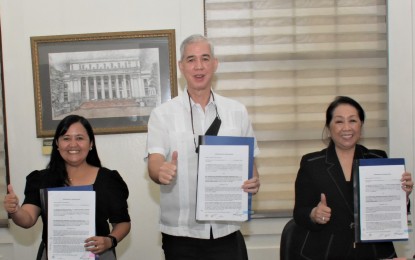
(113,241)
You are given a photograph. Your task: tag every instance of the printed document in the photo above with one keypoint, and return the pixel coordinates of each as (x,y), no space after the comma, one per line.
(71,220)
(383,211)
(221,174)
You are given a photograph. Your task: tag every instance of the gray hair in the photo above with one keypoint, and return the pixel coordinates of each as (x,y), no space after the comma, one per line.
(193,39)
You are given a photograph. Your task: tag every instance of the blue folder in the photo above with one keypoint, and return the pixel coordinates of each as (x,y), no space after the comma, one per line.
(234,140)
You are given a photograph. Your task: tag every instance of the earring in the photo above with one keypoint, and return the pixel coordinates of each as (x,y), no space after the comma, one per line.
(90,148)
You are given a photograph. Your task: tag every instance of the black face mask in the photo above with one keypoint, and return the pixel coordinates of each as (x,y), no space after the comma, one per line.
(214,127)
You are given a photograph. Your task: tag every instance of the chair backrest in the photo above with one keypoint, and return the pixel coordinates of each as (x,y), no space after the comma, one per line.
(40,251)
(290,243)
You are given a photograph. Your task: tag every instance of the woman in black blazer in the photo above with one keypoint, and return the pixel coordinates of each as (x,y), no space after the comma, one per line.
(324,190)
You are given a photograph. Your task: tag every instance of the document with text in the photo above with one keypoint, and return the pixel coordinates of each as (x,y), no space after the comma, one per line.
(71,219)
(222,171)
(382,209)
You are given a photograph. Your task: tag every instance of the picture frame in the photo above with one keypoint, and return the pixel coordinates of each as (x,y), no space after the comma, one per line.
(4,151)
(113,79)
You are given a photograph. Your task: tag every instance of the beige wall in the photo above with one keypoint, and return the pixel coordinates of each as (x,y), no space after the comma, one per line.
(21,19)
(401,93)
(125,152)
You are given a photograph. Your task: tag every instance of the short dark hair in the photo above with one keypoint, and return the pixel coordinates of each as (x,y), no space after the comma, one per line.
(341,100)
(57,164)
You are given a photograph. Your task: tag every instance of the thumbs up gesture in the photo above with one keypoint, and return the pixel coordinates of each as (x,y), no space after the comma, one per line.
(322,213)
(168,170)
(11,202)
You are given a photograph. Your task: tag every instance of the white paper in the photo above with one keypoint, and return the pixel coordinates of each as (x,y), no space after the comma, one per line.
(222,171)
(71,220)
(382,203)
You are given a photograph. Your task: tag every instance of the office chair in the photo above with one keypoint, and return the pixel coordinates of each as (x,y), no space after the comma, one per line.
(291,239)
(40,251)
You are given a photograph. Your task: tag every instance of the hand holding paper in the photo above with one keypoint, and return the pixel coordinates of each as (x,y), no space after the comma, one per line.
(251,185)
(97,244)
(407,183)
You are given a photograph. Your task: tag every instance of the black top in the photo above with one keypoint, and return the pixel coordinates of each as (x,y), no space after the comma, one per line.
(321,172)
(111,197)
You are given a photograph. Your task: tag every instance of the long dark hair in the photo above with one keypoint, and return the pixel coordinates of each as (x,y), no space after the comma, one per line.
(56,164)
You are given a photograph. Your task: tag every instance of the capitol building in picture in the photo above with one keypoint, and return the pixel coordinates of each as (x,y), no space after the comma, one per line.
(105,87)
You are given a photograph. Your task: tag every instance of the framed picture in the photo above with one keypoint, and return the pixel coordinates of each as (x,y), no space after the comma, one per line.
(4,158)
(112,79)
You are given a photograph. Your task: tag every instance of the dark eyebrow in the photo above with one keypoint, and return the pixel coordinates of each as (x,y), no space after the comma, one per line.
(76,135)
(194,56)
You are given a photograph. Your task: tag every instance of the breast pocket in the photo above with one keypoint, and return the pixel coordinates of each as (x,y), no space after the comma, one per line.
(231,124)
(230,132)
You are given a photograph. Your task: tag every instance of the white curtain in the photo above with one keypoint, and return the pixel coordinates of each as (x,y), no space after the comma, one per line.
(286,60)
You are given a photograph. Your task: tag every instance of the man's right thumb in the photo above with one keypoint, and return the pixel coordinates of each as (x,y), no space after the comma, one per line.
(174,157)
(10,189)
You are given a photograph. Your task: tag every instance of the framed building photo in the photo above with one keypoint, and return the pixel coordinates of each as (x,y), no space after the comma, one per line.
(112,79)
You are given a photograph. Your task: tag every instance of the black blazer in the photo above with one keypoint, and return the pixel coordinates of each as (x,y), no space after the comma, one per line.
(321,172)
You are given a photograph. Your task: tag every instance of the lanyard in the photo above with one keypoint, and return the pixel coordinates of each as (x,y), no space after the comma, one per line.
(213,128)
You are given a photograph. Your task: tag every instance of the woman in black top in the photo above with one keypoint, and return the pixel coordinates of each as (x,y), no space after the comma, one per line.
(74,161)
(324,191)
